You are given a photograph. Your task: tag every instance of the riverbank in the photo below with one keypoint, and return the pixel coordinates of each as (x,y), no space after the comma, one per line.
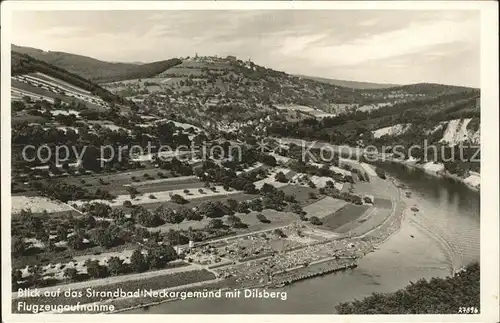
(367,243)
(445,207)
(439,174)
(357,152)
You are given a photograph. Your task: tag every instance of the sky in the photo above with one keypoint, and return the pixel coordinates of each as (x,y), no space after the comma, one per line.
(383,46)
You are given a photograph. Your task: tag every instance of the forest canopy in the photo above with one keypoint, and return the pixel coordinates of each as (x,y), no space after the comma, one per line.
(436,296)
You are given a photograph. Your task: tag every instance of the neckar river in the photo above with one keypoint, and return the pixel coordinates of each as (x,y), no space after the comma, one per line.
(443,234)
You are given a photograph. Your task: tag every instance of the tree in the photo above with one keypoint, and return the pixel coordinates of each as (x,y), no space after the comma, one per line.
(243,207)
(213,209)
(71,273)
(357,199)
(380,173)
(280,177)
(127,204)
(17,276)
(215,224)
(103,237)
(116,266)
(262,218)
(161,255)
(138,262)
(315,220)
(61,233)
(296,208)
(176,198)
(312,196)
(367,199)
(279,233)
(95,270)
(170,216)
(117,214)
(18,246)
(76,242)
(256,205)
(189,214)
(235,222)
(36,273)
(232,204)
(420,297)
(100,210)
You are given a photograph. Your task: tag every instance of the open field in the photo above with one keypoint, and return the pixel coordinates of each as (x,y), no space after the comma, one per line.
(348,213)
(193,186)
(324,207)
(116,183)
(377,187)
(37,204)
(382,203)
(301,193)
(163,196)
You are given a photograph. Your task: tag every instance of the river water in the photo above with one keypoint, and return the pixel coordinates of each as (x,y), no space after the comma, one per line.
(442,235)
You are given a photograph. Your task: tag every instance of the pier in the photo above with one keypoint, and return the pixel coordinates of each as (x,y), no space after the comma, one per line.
(307,275)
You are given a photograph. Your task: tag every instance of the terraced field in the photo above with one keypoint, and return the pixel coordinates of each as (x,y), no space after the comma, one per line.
(39,86)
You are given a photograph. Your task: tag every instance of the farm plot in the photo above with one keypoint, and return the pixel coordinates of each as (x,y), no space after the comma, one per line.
(348,213)
(301,193)
(49,95)
(18,92)
(60,83)
(37,204)
(115,183)
(324,207)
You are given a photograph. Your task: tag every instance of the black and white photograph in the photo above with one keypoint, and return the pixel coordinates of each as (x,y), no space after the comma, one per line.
(250,158)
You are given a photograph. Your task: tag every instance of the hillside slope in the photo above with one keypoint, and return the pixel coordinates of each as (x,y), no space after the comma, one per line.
(349,84)
(94,69)
(229,89)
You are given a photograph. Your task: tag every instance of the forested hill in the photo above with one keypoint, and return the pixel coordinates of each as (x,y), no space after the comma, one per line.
(349,84)
(97,70)
(452,295)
